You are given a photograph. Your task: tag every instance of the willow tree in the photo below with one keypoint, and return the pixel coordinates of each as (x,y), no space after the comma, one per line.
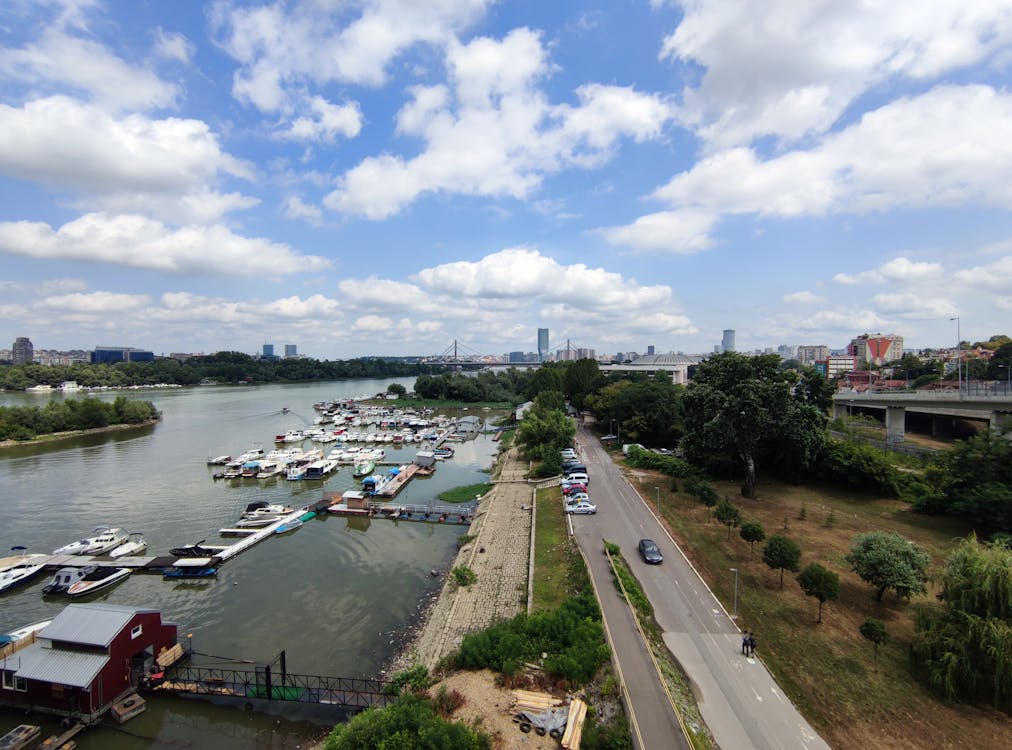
(964,646)
(742,411)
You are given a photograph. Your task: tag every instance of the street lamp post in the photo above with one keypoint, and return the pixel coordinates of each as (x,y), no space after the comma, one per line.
(959,358)
(658,491)
(1008,380)
(735,615)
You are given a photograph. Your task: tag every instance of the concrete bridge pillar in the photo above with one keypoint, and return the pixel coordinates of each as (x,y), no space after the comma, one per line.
(895,424)
(1001,422)
(839,410)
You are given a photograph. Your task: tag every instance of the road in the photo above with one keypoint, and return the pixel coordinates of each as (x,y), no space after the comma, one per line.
(739,700)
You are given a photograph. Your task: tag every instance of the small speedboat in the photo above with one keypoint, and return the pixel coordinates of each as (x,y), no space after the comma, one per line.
(105,539)
(18,570)
(193,550)
(16,635)
(287,526)
(64,578)
(135,545)
(363,468)
(199,567)
(96,580)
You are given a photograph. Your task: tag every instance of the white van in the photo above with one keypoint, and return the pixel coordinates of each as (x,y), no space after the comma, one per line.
(578,476)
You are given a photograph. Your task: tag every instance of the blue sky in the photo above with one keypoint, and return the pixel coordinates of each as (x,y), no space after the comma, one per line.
(387,176)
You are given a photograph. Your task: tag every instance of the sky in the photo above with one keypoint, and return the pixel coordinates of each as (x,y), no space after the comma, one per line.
(386,177)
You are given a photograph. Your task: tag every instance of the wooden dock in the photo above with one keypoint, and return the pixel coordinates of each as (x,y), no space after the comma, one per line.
(395,485)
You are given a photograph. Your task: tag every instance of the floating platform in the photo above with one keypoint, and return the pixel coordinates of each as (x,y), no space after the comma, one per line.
(20,736)
(448,514)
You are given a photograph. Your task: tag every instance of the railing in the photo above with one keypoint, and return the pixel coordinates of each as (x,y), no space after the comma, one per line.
(266,684)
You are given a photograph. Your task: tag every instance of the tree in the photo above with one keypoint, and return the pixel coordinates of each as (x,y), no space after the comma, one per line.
(398,389)
(581,379)
(742,411)
(963,648)
(752,532)
(888,561)
(781,553)
(820,582)
(875,631)
(728,514)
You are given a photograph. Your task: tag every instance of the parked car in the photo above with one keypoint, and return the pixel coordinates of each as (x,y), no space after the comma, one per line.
(581,507)
(577,477)
(567,453)
(571,487)
(577,497)
(650,552)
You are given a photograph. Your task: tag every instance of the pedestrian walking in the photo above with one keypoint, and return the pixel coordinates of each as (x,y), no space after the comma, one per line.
(744,643)
(751,644)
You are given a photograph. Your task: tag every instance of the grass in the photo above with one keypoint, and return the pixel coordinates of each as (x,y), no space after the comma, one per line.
(554,552)
(464,494)
(827,669)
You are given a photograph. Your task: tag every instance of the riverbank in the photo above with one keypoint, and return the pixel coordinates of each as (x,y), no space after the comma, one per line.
(54,437)
(499,554)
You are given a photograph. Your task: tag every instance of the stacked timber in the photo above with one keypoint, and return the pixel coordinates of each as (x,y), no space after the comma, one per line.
(169,656)
(574,727)
(527,700)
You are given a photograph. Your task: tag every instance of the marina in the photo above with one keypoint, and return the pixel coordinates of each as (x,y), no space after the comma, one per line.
(157,481)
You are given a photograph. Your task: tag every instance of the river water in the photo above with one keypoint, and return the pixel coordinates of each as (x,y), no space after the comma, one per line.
(338,595)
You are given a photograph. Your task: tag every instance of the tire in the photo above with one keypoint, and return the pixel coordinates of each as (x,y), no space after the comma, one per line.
(525,727)
(555,733)
(540,731)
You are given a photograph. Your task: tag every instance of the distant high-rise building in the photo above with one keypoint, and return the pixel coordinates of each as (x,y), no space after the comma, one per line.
(268,352)
(22,353)
(650,350)
(108,355)
(542,344)
(291,350)
(877,349)
(727,342)
(809,355)
(786,351)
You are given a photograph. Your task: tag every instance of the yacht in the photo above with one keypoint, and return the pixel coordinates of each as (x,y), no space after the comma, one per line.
(17,570)
(104,540)
(320,469)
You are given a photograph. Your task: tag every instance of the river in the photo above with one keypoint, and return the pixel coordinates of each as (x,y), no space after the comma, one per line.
(337,595)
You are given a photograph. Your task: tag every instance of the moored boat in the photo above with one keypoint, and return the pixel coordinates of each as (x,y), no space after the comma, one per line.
(198,567)
(16,635)
(193,550)
(287,526)
(96,580)
(135,545)
(104,540)
(18,570)
(363,468)
(64,578)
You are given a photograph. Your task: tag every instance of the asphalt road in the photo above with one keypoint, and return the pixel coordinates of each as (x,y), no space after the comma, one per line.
(739,700)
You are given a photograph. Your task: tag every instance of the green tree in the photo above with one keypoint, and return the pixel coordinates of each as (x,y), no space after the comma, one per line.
(888,561)
(728,514)
(820,582)
(782,553)
(741,411)
(963,648)
(875,631)
(752,532)
(398,389)
(582,378)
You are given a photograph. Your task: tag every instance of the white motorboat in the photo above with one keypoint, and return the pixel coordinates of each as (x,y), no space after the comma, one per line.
(96,580)
(287,526)
(104,540)
(218,460)
(16,635)
(268,469)
(296,471)
(261,513)
(17,570)
(135,545)
(64,578)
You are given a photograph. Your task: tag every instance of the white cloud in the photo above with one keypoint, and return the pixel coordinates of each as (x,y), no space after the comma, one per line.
(684,231)
(995,276)
(944,148)
(842,321)
(916,306)
(900,270)
(132,163)
(139,242)
(172,45)
(58,60)
(325,122)
(94,302)
(493,131)
(284,46)
(296,208)
(801,298)
(776,67)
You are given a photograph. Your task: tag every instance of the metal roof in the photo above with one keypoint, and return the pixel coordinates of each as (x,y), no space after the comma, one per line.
(72,668)
(90,624)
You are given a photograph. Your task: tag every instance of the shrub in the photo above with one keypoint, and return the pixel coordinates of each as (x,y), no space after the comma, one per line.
(463,575)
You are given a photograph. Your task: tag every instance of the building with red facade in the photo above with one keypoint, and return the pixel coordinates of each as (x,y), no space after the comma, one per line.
(86,657)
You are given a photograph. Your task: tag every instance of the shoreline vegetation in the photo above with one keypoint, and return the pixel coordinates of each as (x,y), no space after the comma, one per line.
(57,420)
(55,437)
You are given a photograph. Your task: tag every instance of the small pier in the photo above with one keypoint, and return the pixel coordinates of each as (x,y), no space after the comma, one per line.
(448,514)
(265,684)
(396,484)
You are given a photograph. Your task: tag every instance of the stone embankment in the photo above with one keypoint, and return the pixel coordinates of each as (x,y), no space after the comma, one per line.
(499,555)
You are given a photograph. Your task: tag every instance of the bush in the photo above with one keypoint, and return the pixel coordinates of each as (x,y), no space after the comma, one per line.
(643,459)
(859,465)
(463,575)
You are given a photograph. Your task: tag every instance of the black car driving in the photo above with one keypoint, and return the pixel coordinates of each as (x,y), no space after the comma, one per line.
(650,552)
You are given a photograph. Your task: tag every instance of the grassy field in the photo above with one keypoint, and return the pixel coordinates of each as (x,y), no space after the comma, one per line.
(553,552)
(464,494)
(828,669)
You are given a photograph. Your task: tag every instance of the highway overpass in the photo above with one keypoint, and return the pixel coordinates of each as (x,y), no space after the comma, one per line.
(949,412)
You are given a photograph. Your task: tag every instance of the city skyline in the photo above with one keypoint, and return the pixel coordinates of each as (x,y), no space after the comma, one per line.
(382,177)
